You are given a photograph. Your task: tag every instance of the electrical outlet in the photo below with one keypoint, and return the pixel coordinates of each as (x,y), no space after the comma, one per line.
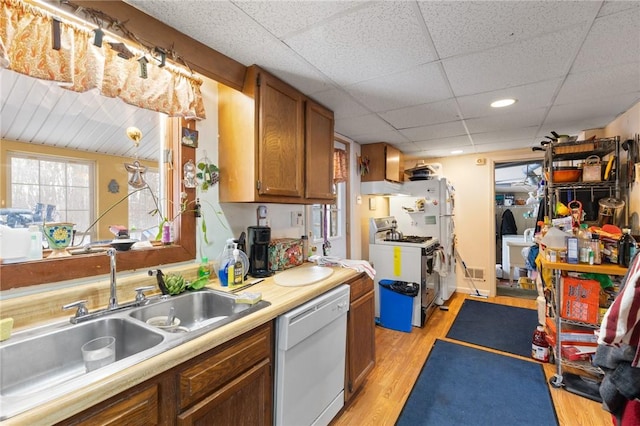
(297,219)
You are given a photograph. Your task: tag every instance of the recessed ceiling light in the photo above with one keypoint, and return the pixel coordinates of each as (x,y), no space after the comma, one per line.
(457,151)
(503,103)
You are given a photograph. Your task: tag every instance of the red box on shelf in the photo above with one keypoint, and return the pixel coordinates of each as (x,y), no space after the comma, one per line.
(580,299)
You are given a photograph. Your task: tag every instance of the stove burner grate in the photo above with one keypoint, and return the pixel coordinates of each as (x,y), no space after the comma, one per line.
(411,239)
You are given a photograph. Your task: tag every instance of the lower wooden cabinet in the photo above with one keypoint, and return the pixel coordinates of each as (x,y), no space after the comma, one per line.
(361,339)
(228,385)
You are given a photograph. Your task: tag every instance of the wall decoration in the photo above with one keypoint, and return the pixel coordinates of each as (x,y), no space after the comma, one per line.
(363,165)
(113,187)
(189,137)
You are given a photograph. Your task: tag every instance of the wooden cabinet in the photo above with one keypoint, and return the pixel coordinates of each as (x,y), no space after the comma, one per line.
(318,142)
(267,143)
(231,384)
(385,162)
(361,338)
(146,404)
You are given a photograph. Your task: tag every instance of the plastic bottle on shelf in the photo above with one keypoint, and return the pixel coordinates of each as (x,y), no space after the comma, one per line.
(204,270)
(35,243)
(238,272)
(584,244)
(595,247)
(539,345)
(305,248)
(626,248)
(226,261)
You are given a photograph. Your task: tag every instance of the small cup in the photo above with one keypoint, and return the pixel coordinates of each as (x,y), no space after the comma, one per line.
(99,352)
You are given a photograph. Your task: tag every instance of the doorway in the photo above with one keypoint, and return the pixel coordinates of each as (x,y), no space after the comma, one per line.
(518,195)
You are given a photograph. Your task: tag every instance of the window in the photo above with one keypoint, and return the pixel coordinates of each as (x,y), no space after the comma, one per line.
(334,225)
(144,226)
(44,188)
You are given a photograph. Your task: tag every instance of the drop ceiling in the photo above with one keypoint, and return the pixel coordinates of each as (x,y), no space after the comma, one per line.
(421,75)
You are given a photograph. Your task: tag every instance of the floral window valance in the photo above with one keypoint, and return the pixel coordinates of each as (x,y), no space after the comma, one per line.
(26,35)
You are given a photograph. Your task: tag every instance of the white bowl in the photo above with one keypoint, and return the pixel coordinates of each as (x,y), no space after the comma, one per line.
(161,322)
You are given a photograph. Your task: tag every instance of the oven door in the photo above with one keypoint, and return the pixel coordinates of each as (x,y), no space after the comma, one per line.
(430,286)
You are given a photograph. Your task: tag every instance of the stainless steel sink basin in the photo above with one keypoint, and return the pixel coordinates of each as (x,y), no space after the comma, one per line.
(198,310)
(54,357)
(44,363)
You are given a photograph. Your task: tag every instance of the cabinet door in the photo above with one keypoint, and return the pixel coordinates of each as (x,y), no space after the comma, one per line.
(146,404)
(361,339)
(318,152)
(280,138)
(394,169)
(244,401)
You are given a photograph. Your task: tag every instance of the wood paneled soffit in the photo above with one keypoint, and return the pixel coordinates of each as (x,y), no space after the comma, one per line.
(201,58)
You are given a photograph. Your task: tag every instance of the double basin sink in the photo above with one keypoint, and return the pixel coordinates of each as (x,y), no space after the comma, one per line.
(44,363)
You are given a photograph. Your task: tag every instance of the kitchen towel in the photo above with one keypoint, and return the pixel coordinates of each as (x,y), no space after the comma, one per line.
(358,265)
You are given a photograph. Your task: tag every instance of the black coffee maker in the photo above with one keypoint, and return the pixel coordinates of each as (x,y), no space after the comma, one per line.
(258,249)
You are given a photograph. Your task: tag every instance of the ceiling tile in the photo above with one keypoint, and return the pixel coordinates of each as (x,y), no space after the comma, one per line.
(521,133)
(459,27)
(342,105)
(382,38)
(419,85)
(455,142)
(436,131)
(393,137)
(608,43)
(611,7)
(363,125)
(425,114)
(284,17)
(600,83)
(543,58)
(528,96)
(507,120)
(605,107)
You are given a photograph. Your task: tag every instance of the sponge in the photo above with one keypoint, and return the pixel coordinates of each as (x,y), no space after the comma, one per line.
(5,328)
(248,298)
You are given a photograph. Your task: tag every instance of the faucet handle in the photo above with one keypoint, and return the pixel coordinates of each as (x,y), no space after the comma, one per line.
(140,296)
(81,305)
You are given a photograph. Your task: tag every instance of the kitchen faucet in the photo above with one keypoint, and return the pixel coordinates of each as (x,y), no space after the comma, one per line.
(82,313)
(113,296)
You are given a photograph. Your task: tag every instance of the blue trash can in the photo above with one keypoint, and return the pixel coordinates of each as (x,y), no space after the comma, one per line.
(396,304)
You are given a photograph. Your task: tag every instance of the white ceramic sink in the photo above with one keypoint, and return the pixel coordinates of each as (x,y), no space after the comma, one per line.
(298,277)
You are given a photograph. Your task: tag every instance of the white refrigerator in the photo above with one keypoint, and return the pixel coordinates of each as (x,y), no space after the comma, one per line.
(429,211)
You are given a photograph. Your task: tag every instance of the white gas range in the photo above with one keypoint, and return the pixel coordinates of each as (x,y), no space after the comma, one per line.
(409,259)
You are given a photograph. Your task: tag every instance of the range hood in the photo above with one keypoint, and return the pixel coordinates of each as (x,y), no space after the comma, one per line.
(381,188)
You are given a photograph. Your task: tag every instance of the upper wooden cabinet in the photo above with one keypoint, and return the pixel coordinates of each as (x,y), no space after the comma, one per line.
(275,144)
(385,162)
(318,142)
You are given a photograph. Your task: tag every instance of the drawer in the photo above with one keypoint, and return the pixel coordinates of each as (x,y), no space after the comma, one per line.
(217,367)
(360,286)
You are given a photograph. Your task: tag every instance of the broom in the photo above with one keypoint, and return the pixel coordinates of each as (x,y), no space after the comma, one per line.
(475,292)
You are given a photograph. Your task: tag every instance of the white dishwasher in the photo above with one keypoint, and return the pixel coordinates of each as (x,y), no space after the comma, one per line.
(310,360)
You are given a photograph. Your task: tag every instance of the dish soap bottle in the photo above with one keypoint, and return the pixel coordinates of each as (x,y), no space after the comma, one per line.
(226,261)
(238,270)
(205,269)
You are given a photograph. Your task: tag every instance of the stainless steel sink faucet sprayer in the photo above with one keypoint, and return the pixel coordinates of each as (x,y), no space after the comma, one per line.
(113,298)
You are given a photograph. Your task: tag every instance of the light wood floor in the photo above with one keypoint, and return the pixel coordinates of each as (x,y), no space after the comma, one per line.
(399,359)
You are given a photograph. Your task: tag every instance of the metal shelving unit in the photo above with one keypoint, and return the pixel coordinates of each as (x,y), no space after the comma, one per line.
(570,152)
(558,380)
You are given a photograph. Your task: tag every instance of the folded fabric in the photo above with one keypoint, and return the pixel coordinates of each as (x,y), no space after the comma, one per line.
(358,265)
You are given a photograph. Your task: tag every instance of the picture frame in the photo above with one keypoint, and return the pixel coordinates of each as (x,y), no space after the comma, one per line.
(189,137)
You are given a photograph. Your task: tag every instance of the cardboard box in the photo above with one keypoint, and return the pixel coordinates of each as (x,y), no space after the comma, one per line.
(571,335)
(580,300)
